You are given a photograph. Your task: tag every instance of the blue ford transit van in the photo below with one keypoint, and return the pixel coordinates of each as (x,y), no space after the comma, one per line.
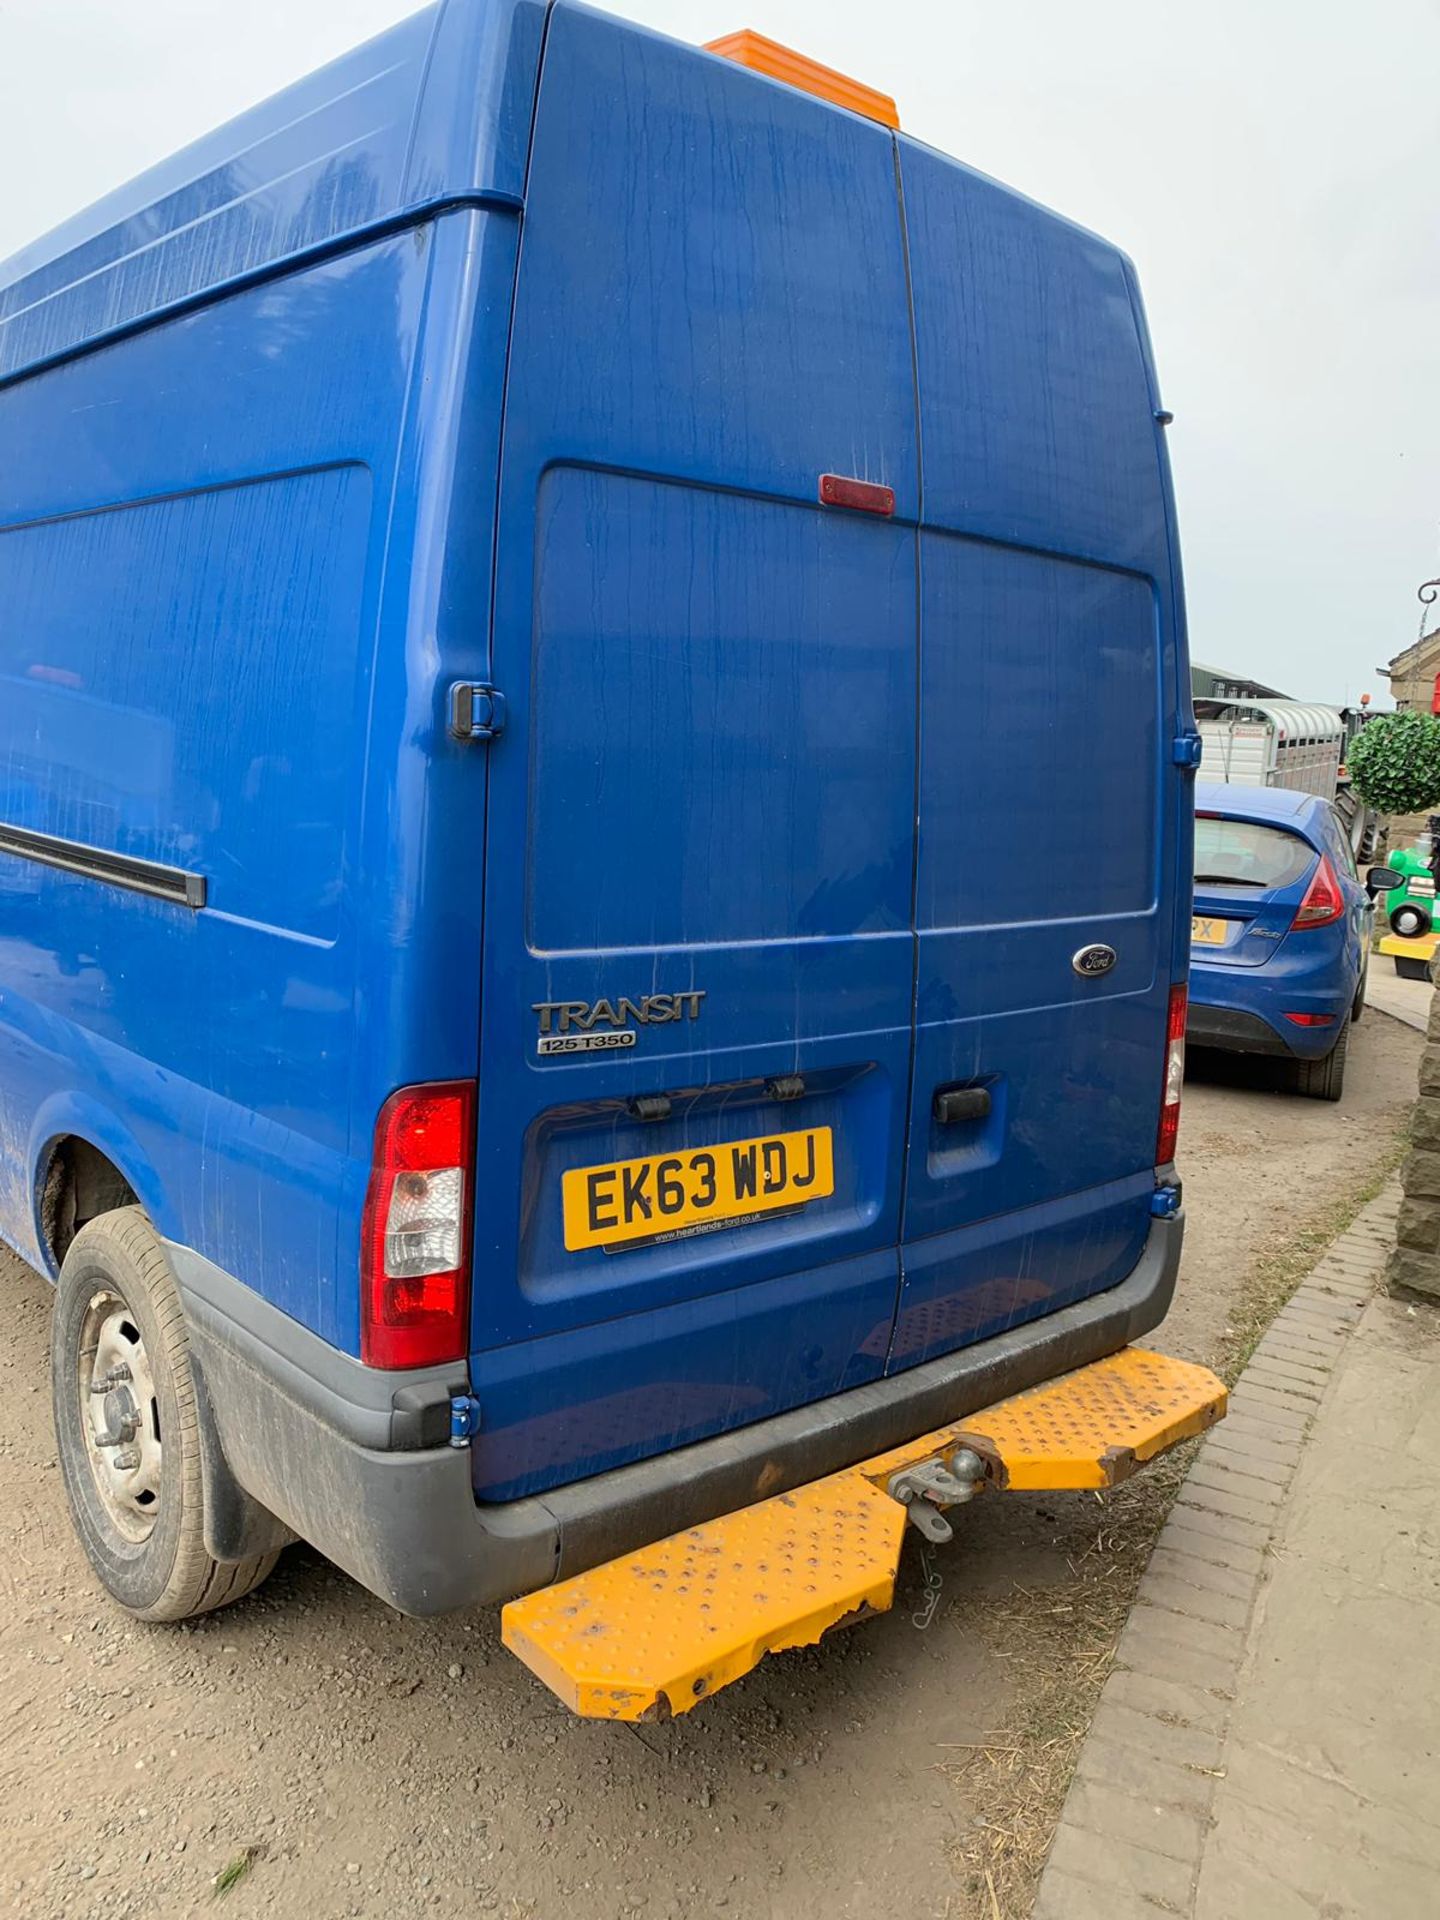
(547,578)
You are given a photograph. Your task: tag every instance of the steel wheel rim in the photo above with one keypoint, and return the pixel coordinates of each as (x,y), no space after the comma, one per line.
(120,1416)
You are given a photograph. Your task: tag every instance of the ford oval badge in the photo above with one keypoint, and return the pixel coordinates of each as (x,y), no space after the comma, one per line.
(1091,962)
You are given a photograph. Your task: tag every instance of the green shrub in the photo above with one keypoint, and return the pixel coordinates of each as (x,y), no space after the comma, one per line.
(1394,763)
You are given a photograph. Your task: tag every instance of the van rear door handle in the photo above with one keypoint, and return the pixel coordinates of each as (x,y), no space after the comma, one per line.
(955,1104)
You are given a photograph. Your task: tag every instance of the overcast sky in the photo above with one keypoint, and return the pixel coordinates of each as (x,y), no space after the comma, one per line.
(1272,167)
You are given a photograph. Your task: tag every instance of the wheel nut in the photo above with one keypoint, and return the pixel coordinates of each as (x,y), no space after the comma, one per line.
(127,1459)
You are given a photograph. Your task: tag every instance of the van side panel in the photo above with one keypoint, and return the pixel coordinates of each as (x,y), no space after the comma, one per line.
(139,732)
(193,534)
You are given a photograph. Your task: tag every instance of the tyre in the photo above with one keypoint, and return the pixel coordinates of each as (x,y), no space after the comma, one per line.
(1325,1079)
(1409,921)
(127,1426)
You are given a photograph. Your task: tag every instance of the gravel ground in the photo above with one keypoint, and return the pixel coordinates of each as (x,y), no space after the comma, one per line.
(366,1764)
(1258,1162)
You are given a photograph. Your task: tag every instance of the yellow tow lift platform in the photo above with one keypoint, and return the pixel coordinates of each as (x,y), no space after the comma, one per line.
(655,1632)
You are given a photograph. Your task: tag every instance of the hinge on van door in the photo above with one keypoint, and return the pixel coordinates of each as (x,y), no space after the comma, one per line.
(476,712)
(1187,750)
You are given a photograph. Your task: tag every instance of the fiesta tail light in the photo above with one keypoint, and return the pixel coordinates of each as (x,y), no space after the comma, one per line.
(1174,1082)
(415,1236)
(1323,902)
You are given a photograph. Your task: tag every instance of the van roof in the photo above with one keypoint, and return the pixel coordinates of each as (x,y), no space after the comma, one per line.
(433,113)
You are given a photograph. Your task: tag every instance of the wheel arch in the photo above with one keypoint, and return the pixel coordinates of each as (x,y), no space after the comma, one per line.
(84,1161)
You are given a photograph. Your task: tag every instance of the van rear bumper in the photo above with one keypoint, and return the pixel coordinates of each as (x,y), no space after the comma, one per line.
(309,1436)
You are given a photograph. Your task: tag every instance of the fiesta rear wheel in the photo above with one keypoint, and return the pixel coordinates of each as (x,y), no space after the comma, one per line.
(127,1426)
(1325,1079)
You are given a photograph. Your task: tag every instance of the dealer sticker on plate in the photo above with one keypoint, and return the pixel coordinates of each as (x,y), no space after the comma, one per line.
(672,1196)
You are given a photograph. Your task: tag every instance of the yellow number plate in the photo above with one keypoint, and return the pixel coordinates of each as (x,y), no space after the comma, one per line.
(669,1196)
(1207,932)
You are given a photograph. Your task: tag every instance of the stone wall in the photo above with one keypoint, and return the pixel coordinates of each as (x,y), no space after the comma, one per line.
(1415,1263)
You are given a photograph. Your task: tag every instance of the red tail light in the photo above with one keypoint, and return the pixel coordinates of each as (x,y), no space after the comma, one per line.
(415,1239)
(1323,900)
(1174,1078)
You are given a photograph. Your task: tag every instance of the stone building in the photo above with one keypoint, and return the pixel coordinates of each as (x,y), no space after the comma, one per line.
(1412,674)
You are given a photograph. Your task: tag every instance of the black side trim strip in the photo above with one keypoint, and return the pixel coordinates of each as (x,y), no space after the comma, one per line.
(116,869)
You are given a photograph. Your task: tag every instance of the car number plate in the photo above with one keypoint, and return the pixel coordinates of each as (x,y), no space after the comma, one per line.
(671,1196)
(1205,931)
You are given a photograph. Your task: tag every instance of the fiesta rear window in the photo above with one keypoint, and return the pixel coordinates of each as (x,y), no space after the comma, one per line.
(1240,853)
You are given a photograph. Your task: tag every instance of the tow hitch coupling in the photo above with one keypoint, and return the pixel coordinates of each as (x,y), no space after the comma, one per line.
(932,1484)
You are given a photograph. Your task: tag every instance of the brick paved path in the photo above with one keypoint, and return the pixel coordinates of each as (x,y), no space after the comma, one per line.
(1268,1743)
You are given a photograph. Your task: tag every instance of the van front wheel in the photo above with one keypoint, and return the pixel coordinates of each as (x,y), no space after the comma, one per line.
(127,1426)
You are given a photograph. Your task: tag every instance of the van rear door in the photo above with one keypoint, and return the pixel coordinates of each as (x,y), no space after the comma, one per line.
(697,983)
(1049,805)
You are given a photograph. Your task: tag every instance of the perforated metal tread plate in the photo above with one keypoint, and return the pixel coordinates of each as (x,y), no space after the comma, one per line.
(687,1616)
(661,1629)
(1090,1428)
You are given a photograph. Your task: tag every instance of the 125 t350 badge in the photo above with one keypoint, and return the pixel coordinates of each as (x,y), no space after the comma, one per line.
(602,1026)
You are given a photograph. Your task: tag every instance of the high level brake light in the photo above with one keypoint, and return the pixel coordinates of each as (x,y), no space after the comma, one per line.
(415,1238)
(753,50)
(1174,1083)
(1323,900)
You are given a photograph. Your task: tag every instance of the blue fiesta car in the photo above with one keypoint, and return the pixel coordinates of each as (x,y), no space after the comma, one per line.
(1280,938)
